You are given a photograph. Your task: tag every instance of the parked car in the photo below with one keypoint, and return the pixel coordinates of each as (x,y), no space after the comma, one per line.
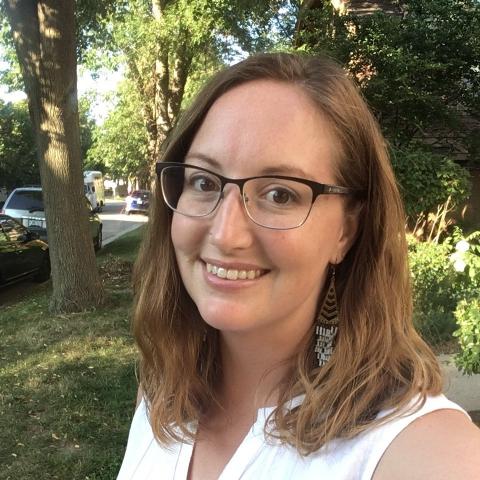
(137,201)
(22,253)
(26,205)
(96,226)
(3,196)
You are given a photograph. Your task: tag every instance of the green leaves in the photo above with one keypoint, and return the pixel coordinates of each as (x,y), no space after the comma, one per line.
(468,334)
(419,71)
(428,180)
(18,159)
(121,141)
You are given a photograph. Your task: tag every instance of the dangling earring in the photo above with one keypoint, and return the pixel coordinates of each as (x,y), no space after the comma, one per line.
(327,324)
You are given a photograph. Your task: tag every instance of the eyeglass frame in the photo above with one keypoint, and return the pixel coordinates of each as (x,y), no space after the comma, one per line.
(316,187)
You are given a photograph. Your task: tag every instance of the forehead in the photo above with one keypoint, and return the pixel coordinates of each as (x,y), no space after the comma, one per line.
(266,125)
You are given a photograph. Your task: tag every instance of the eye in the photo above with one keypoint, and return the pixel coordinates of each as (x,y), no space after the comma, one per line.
(281,196)
(203,183)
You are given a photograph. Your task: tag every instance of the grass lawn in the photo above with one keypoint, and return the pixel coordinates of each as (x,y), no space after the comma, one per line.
(68,382)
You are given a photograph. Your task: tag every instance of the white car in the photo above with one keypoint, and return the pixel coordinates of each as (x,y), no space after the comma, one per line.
(26,205)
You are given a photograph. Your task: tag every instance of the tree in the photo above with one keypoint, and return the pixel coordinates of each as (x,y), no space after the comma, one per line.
(43,32)
(121,142)
(419,71)
(166,43)
(87,127)
(18,153)
(18,157)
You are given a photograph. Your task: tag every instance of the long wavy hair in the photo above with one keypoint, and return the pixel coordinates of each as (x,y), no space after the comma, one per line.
(379,361)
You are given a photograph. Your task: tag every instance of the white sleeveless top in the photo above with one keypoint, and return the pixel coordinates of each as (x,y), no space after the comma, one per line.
(259,459)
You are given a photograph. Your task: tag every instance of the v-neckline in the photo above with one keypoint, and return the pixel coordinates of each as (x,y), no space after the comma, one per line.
(246,452)
(241,457)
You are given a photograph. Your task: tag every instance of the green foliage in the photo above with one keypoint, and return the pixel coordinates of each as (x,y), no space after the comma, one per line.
(415,70)
(446,292)
(10,74)
(93,30)
(467,253)
(120,143)
(467,260)
(87,127)
(428,180)
(468,334)
(18,157)
(18,160)
(435,289)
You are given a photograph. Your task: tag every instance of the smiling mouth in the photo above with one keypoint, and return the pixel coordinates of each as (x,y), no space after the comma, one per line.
(233,274)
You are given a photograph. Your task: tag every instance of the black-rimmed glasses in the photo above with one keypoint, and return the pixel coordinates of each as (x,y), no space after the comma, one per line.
(271,201)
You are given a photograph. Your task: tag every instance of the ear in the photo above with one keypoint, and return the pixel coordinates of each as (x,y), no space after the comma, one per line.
(347,236)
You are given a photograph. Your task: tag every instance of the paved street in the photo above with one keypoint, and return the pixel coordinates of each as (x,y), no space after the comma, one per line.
(116,223)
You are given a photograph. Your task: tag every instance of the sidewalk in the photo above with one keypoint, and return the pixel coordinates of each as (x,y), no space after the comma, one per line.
(462,389)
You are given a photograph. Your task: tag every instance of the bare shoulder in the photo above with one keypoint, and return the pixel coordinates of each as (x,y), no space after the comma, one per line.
(443,445)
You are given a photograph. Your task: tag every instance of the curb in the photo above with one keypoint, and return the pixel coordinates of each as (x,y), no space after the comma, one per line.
(118,235)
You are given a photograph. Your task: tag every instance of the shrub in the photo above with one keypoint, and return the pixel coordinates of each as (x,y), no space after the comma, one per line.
(467,313)
(435,289)
(432,186)
(468,333)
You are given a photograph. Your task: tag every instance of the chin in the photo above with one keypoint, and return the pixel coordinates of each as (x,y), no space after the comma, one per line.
(234,318)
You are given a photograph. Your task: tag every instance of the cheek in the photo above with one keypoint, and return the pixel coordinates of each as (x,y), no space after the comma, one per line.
(303,253)
(186,234)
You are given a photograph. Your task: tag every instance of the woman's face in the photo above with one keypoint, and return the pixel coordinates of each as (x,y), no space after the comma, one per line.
(257,128)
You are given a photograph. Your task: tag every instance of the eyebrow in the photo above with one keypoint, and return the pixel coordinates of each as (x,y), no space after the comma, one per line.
(280,169)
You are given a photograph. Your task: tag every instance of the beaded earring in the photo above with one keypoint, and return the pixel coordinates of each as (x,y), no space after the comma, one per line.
(327,324)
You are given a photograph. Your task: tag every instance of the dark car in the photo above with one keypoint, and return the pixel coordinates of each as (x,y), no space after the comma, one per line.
(22,253)
(96,226)
(137,201)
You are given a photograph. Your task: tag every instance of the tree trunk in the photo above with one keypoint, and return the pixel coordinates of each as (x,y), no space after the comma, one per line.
(43,33)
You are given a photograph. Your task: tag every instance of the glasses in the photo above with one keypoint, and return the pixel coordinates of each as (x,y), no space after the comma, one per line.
(272,201)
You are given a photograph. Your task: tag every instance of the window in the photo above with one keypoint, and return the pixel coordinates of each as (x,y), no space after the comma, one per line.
(30,200)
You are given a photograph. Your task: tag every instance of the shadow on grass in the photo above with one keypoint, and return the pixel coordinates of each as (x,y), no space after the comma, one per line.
(70,421)
(68,381)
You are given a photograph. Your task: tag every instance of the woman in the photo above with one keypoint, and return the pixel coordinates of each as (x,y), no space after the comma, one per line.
(273,309)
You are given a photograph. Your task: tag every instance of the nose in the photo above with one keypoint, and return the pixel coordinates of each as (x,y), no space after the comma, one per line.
(231,229)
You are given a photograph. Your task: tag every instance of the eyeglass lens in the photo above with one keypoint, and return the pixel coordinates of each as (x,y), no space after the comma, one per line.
(270,202)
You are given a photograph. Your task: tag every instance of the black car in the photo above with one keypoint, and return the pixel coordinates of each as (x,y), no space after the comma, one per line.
(22,253)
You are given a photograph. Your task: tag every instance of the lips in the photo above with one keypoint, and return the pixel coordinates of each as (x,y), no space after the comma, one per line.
(233,273)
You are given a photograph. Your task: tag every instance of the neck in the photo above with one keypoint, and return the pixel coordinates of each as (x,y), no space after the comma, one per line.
(253,369)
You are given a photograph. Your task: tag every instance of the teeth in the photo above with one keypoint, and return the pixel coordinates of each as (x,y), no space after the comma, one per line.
(232,274)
